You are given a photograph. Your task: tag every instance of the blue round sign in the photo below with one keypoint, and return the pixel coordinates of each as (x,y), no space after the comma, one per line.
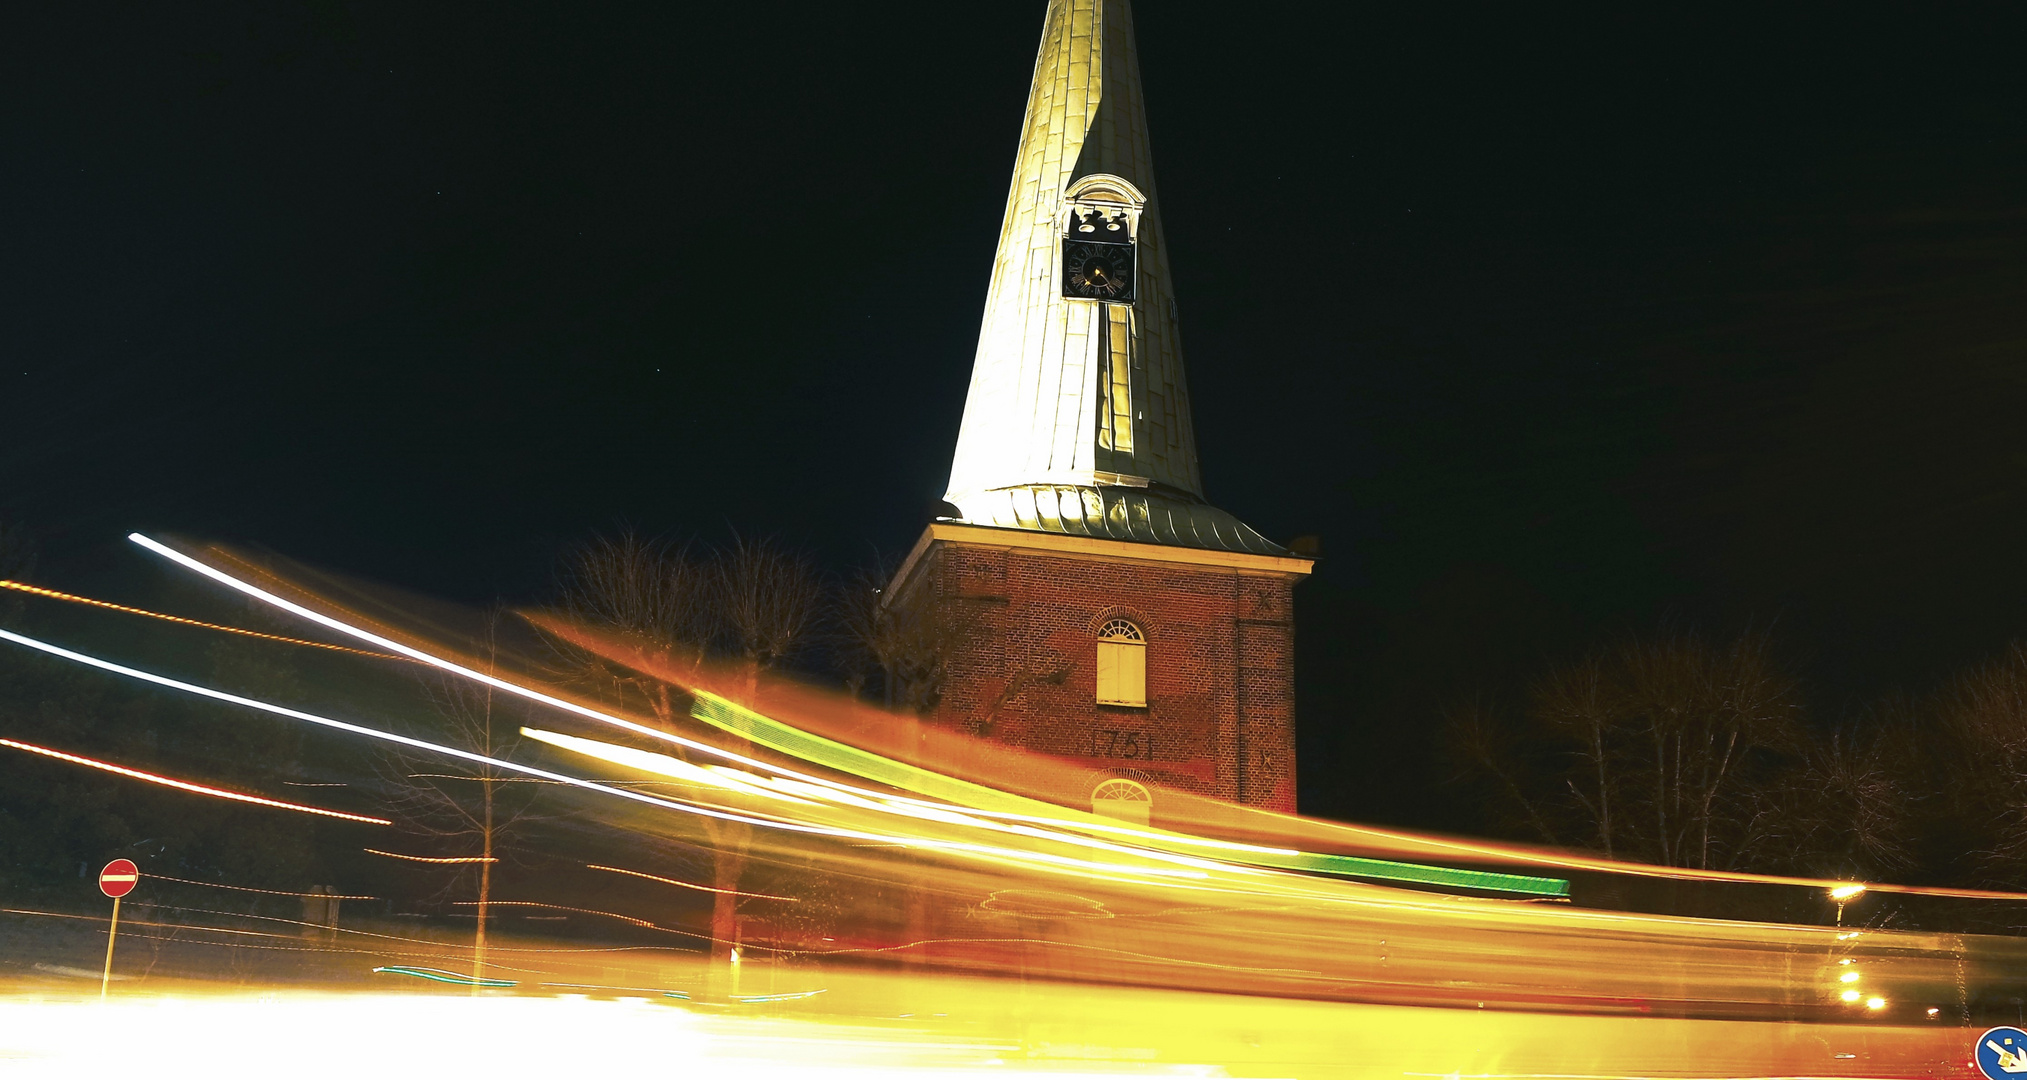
(2002,1053)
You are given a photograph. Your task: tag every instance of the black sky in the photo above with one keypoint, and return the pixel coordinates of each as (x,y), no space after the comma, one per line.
(1552,323)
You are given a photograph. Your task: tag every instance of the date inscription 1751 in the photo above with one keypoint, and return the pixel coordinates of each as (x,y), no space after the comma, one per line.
(1115,743)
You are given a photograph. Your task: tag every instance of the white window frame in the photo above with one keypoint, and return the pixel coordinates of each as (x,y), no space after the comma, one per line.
(1122,664)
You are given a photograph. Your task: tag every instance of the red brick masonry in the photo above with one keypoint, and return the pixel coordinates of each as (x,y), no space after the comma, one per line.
(1025,608)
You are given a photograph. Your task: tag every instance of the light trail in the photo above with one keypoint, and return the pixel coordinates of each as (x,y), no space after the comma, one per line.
(718,776)
(642,923)
(244,888)
(730,717)
(479,779)
(445,861)
(978,801)
(897,1027)
(442,976)
(363,634)
(1063,898)
(250,589)
(1468,849)
(1151,848)
(52,594)
(690,885)
(371,733)
(1037,859)
(184,785)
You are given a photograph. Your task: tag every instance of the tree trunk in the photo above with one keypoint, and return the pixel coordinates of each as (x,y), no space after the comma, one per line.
(726,867)
(1604,785)
(485,887)
(728,862)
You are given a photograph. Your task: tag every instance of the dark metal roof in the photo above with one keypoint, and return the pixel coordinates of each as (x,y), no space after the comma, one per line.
(1116,513)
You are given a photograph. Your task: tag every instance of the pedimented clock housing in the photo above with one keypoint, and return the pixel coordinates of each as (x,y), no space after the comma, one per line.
(1098,244)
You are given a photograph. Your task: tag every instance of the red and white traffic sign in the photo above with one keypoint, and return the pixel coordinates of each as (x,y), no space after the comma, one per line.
(119,878)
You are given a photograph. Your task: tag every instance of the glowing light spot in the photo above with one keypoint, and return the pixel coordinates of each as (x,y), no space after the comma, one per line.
(1849,976)
(1846,892)
(1850,995)
(1875,1003)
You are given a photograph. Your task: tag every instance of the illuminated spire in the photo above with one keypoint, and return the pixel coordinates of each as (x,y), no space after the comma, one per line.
(1078,418)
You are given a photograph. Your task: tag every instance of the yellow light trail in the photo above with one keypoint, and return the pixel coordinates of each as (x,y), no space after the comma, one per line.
(1036,859)
(923,808)
(1174,866)
(427,859)
(689,885)
(52,594)
(371,733)
(420,656)
(948,1028)
(1405,844)
(184,785)
(1241,930)
(1059,863)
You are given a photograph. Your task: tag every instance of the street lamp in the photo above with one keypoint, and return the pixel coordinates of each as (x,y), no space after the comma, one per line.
(1842,894)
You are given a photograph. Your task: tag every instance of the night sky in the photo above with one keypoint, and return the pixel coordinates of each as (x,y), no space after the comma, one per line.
(1551,325)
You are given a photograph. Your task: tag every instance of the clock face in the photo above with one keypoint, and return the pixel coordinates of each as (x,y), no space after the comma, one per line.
(1097,271)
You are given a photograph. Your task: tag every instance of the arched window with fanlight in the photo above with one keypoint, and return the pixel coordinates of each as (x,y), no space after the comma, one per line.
(1122,800)
(1122,664)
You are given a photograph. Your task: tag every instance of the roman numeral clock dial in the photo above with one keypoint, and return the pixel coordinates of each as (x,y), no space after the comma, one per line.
(1098,258)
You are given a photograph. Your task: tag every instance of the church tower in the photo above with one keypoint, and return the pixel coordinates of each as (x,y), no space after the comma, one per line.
(1094,605)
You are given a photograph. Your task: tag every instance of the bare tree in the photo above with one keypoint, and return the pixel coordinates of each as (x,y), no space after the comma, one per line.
(1651,750)
(645,590)
(771,600)
(464,808)
(907,644)
(1982,715)
(754,600)
(1843,810)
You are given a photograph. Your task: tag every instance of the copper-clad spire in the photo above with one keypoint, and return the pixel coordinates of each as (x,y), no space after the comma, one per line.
(1078,418)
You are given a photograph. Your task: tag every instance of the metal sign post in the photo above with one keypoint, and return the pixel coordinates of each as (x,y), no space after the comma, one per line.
(116,880)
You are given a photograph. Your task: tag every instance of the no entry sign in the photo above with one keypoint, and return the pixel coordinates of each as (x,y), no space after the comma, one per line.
(119,878)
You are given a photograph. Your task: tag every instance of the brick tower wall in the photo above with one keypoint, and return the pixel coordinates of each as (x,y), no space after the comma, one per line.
(1021,668)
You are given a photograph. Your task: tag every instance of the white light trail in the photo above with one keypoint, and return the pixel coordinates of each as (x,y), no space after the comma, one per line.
(1040,859)
(375,733)
(1450,846)
(413,653)
(923,809)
